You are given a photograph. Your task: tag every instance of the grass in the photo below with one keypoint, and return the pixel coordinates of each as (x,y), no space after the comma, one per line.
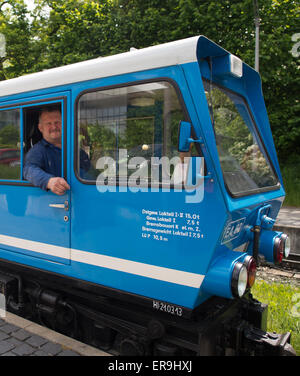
(284,308)
(291,181)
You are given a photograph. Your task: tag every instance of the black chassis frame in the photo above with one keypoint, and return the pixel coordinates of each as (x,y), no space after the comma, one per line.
(130,326)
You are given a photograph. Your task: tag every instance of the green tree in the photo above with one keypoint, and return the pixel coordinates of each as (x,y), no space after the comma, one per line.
(20,51)
(9,135)
(229,23)
(280,73)
(70,31)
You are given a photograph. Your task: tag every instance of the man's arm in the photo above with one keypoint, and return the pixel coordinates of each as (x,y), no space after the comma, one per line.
(35,174)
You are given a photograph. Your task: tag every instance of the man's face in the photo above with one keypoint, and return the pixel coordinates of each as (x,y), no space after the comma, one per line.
(50,127)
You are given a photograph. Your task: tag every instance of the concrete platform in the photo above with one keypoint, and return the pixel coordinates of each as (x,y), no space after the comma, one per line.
(20,337)
(289,216)
(288,221)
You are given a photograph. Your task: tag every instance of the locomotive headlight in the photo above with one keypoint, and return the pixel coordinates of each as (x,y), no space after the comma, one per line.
(250,264)
(230,275)
(286,246)
(281,248)
(239,280)
(274,246)
(278,250)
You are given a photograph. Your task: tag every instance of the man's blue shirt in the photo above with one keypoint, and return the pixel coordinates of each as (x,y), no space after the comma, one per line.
(42,162)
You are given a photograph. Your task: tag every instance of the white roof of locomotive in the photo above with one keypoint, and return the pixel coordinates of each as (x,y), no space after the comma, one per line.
(173,53)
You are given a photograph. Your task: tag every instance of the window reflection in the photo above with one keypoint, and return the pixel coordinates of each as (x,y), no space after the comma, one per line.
(243,160)
(10,144)
(141,119)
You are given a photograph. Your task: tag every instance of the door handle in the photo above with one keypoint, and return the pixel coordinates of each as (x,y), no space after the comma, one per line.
(64,206)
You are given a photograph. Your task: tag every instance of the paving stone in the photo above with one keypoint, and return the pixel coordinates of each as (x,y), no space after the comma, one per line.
(14,341)
(5,347)
(68,353)
(21,334)
(51,348)
(8,328)
(9,354)
(36,341)
(39,353)
(23,350)
(3,336)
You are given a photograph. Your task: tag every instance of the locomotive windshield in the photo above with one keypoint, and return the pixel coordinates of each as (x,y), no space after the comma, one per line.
(244,161)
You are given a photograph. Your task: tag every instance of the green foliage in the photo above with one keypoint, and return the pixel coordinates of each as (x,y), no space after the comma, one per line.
(71,31)
(237,146)
(9,172)
(280,74)
(291,180)
(9,135)
(283,308)
(20,46)
(102,141)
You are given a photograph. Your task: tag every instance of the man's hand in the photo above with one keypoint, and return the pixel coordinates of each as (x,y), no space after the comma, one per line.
(58,186)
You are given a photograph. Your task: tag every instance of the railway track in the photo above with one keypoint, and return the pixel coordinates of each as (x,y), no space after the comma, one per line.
(293,262)
(287,272)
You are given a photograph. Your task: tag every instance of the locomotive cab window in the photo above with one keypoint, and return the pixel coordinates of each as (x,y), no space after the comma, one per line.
(31,131)
(19,132)
(243,158)
(43,123)
(31,116)
(126,131)
(10,163)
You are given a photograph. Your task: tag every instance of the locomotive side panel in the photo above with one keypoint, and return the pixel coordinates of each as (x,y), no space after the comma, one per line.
(164,224)
(30,226)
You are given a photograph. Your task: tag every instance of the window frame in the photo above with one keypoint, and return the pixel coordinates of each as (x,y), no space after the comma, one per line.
(11,108)
(62,100)
(121,183)
(255,131)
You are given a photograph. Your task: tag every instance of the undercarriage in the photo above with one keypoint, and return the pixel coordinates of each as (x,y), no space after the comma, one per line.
(128,325)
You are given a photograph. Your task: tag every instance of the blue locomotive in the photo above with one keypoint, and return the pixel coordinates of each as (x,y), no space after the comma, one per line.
(174,187)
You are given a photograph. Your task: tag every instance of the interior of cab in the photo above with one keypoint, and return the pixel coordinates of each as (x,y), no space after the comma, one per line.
(32,135)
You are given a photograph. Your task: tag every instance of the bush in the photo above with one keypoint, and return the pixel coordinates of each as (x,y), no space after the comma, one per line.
(284,308)
(291,180)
